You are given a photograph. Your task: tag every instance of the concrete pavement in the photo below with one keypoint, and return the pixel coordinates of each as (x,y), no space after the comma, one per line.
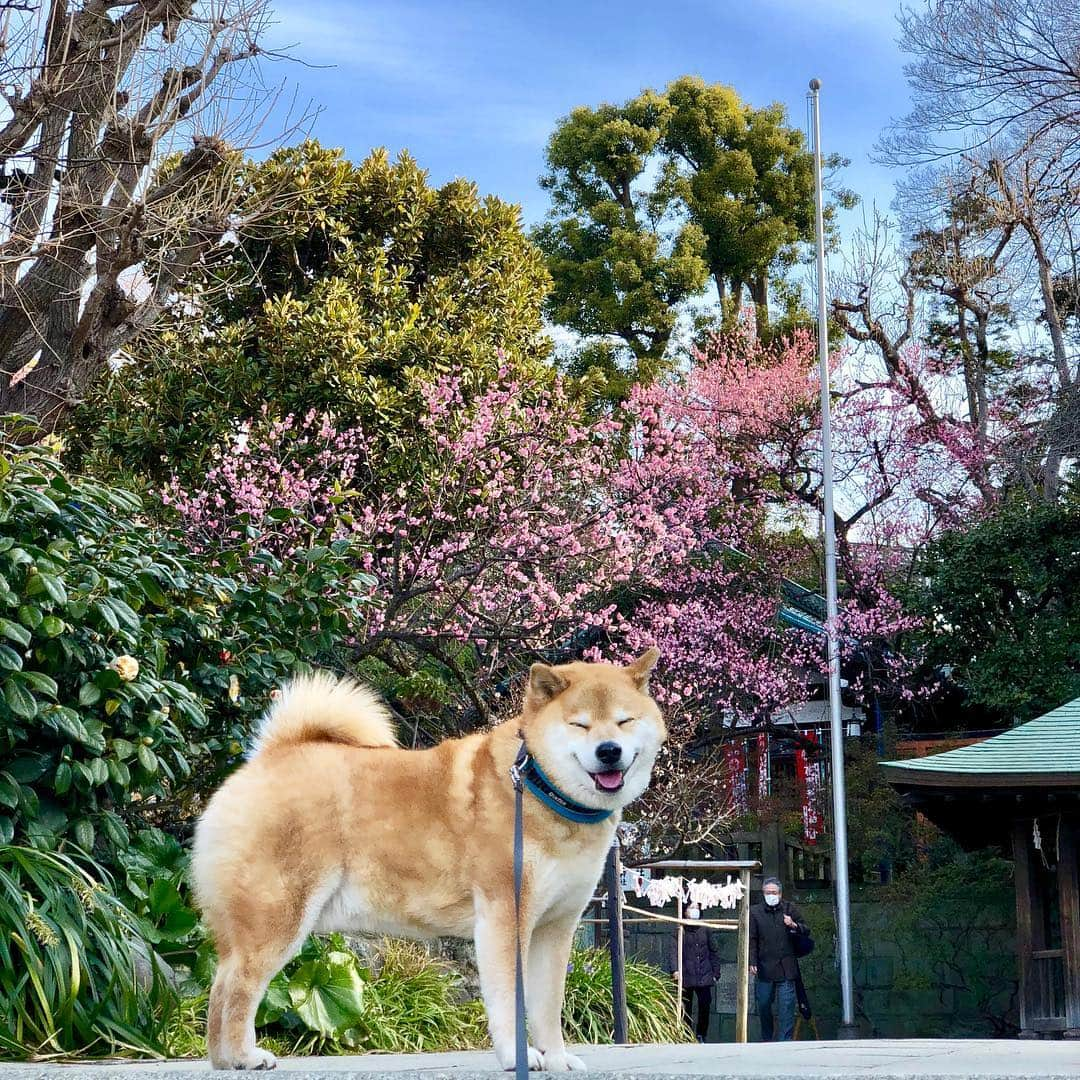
(886,1059)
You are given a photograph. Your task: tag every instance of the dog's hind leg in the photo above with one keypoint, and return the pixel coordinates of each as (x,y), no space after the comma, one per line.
(252,951)
(238,988)
(215,1012)
(549,953)
(495,958)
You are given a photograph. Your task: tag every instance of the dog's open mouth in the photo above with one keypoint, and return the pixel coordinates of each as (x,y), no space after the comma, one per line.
(609,781)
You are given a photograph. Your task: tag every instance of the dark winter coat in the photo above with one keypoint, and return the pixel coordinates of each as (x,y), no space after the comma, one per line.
(701,959)
(771,949)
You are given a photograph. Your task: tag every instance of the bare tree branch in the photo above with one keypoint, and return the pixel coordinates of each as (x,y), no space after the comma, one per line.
(988,71)
(116,173)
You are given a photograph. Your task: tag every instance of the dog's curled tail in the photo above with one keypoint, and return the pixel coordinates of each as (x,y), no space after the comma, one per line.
(325,708)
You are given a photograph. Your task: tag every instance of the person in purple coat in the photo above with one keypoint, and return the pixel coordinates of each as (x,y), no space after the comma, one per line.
(700,970)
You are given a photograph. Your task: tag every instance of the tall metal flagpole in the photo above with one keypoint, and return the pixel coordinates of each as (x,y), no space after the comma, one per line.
(843,905)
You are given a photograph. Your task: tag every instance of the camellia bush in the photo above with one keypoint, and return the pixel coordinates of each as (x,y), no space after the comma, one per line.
(132,671)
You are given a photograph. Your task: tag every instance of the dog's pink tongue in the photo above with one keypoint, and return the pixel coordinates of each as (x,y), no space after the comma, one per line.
(609,781)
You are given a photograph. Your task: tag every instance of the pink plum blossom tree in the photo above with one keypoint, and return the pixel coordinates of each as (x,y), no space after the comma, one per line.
(527,521)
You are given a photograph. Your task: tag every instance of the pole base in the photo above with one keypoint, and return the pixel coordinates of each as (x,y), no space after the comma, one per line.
(848,1031)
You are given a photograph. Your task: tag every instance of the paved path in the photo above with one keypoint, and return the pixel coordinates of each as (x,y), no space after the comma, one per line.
(886,1059)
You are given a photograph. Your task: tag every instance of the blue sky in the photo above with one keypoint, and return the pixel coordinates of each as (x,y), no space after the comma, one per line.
(474,89)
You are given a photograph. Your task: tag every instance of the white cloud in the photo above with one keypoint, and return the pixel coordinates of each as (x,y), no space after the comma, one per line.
(877,13)
(353,38)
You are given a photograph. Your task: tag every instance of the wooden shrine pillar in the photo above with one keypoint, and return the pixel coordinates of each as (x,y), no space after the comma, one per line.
(1022,875)
(1069,898)
(1049,963)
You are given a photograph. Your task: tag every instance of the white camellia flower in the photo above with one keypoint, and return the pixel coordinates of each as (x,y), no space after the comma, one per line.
(127,667)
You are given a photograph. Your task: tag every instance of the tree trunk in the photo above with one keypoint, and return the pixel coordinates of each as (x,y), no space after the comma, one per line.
(759,293)
(93,98)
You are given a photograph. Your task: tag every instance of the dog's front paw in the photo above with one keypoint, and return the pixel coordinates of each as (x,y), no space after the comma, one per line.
(561,1061)
(507,1060)
(254,1059)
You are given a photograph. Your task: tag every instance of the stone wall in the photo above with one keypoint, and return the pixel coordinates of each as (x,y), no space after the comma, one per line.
(953,976)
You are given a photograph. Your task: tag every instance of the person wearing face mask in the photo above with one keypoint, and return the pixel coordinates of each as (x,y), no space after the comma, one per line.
(773,925)
(700,970)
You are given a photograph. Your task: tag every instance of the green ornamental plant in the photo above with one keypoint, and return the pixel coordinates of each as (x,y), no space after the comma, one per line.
(73,977)
(653,1013)
(330,1000)
(155,886)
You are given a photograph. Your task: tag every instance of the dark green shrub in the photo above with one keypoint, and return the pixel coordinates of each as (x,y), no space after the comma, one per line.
(131,671)
(1001,601)
(92,714)
(969,970)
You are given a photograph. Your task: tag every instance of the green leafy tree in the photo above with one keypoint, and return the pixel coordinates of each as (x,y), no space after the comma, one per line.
(1002,600)
(618,269)
(366,283)
(653,198)
(745,177)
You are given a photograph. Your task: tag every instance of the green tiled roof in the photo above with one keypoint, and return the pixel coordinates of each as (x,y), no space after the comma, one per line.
(1047,747)
(803,599)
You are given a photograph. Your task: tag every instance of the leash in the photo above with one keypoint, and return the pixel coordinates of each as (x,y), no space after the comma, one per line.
(521,1039)
(526,773)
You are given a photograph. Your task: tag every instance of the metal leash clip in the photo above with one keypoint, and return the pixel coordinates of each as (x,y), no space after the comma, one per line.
(518,767)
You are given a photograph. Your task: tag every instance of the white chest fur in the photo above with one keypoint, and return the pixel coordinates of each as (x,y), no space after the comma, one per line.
(561,886)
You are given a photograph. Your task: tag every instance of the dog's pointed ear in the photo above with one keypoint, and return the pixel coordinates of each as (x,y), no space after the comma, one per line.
(545,683)
(642,668)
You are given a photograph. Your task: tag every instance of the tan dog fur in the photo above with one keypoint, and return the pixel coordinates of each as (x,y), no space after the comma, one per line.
(330,826)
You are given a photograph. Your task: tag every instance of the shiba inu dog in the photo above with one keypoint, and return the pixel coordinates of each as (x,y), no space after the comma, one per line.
(331,826)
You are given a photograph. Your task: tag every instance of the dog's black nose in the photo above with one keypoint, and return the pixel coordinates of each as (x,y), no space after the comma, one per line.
(608,753)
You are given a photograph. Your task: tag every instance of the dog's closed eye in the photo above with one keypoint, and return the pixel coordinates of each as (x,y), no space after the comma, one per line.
(628,720)
(578,723)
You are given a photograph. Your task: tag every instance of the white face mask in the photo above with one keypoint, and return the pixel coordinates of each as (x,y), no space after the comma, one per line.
(693,913)
(772,899)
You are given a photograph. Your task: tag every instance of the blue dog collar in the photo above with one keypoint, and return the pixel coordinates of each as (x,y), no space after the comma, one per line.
(527,771)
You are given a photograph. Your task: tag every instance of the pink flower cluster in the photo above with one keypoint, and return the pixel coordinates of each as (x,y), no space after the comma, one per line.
(524,519)
(277,486)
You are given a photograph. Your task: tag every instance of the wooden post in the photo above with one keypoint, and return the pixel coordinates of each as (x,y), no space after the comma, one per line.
(1024,943)
(742,997)
(679,948)
(613,874)
(772,850)
(1069,905)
